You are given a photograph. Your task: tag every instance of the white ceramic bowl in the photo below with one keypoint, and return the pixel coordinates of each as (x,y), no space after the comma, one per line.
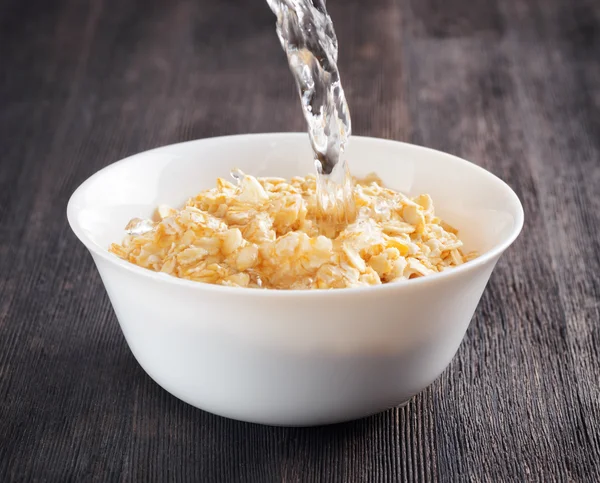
(293,357)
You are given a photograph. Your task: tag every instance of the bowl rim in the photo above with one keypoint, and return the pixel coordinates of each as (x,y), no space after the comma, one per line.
(471,265)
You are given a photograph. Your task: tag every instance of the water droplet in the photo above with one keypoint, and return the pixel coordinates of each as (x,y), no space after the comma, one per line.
(139,226)
(238,175)
(382,207)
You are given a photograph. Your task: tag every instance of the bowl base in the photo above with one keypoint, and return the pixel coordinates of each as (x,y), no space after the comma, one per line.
(307,424)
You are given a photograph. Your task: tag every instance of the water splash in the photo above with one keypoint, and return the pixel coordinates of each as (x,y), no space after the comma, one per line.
(308,38)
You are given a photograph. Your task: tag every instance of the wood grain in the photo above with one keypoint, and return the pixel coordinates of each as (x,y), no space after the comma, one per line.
(512,85)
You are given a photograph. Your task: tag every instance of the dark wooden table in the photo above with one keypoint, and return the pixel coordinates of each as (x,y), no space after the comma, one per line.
(512,85)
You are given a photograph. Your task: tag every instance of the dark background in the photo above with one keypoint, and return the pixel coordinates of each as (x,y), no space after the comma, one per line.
(512,85)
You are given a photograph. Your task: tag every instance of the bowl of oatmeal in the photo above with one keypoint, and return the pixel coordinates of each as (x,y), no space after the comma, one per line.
(238,293)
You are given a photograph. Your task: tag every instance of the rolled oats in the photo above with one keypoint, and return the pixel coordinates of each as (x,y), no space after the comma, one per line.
(264,232)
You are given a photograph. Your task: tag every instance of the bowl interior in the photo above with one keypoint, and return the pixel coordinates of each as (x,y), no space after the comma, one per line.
(484,209)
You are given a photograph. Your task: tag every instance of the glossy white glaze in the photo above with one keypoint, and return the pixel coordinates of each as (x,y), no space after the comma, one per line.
(293,357)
